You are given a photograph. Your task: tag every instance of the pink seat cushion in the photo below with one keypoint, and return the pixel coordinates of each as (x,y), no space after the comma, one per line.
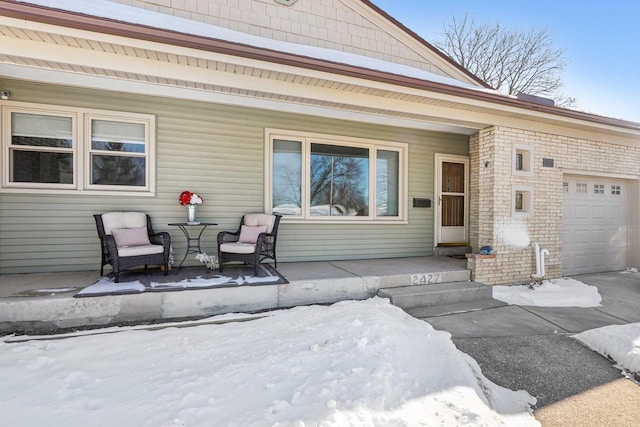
(131,236)
(250,234)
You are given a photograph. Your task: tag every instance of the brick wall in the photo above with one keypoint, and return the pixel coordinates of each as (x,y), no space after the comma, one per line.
(323,23)
(492,220)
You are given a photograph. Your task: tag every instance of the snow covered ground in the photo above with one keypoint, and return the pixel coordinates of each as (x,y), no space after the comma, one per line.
(355,363)
(563,292)
(618,342)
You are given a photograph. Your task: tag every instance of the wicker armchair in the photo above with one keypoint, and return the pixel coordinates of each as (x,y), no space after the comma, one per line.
(127,240)
(253,242)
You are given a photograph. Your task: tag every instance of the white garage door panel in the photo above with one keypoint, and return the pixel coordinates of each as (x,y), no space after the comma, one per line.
(594,231)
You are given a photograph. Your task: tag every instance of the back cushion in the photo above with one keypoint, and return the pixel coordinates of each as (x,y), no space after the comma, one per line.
(112,220)
(253,220)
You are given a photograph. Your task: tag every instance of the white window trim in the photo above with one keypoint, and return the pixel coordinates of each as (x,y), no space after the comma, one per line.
(527,202)
(373,145)
(528,156)
(81,145)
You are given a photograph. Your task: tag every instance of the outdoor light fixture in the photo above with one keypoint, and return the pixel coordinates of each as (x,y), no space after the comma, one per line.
(5,94)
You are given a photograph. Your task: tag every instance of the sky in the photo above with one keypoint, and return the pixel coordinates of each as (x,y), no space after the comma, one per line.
(600,41)
(352,363)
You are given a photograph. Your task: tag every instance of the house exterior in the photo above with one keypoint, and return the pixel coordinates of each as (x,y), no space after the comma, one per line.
(369,141)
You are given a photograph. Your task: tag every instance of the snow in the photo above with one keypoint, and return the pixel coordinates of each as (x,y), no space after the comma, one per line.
(354,363)
(134,15)
(619,342)
(563,292)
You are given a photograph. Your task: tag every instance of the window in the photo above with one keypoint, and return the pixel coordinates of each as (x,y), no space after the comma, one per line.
(522,160)
(581,188)
(616,190)
(565,187)
(41,149)
(598,189)
(522,200)
(52,148)
(329,178)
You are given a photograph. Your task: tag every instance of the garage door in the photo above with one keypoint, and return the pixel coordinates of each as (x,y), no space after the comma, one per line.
(594,221)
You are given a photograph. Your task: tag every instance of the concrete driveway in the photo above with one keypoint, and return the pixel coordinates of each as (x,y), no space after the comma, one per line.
(531,348)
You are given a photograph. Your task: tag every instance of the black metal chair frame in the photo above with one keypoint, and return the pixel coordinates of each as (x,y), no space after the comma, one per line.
(265,246)
(118,264)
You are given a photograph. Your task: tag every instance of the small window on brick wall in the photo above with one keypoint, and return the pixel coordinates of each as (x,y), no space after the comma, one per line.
(522,160)
(522,200)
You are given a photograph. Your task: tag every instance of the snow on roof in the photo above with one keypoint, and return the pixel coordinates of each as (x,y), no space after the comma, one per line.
(134,15)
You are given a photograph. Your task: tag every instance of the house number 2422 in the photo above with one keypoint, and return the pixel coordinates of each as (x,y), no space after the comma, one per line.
(425,279)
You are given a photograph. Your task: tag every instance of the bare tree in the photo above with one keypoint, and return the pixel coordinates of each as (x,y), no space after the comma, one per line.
(509,61)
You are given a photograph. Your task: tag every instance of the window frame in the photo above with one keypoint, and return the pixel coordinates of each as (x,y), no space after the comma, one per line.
(527,155)
(81,150)
(525,192)
(306,139)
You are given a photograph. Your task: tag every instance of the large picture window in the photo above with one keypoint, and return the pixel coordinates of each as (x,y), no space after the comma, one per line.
(51,148)
(323,177)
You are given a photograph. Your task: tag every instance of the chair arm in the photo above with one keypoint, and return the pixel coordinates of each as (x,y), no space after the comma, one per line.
(112,248)
(162,238)
(228,236)
(265,239)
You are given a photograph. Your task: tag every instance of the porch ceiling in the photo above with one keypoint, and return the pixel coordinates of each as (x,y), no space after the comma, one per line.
(58,54)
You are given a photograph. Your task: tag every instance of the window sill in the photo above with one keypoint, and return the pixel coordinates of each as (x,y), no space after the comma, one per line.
(140,193)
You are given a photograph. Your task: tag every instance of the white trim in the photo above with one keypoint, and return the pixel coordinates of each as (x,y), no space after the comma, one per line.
(527,201)
(81,147)
(372,145)
(600,174)
(528,159)
(437,179)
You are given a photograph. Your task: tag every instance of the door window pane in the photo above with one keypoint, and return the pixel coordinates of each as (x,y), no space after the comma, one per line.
(453,211)
(287,177)
(339,180)
(387,186)
(452,177)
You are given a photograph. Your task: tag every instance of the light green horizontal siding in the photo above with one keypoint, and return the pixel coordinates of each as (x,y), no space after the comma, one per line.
(218,152)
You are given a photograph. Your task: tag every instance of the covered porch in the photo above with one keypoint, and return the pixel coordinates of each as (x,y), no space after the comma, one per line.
(47,302)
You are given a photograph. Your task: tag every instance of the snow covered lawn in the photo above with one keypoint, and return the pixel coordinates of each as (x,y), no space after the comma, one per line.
(355,363)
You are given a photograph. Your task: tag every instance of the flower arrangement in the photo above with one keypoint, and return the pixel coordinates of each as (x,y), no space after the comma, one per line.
(189,198)
(210,261)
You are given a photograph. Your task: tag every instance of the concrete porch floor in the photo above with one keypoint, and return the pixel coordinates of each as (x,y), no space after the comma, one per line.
(44,302)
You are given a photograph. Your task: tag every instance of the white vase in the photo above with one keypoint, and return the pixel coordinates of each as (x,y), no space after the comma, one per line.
(191,213)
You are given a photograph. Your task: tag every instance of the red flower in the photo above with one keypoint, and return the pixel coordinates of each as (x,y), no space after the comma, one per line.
(189,198)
